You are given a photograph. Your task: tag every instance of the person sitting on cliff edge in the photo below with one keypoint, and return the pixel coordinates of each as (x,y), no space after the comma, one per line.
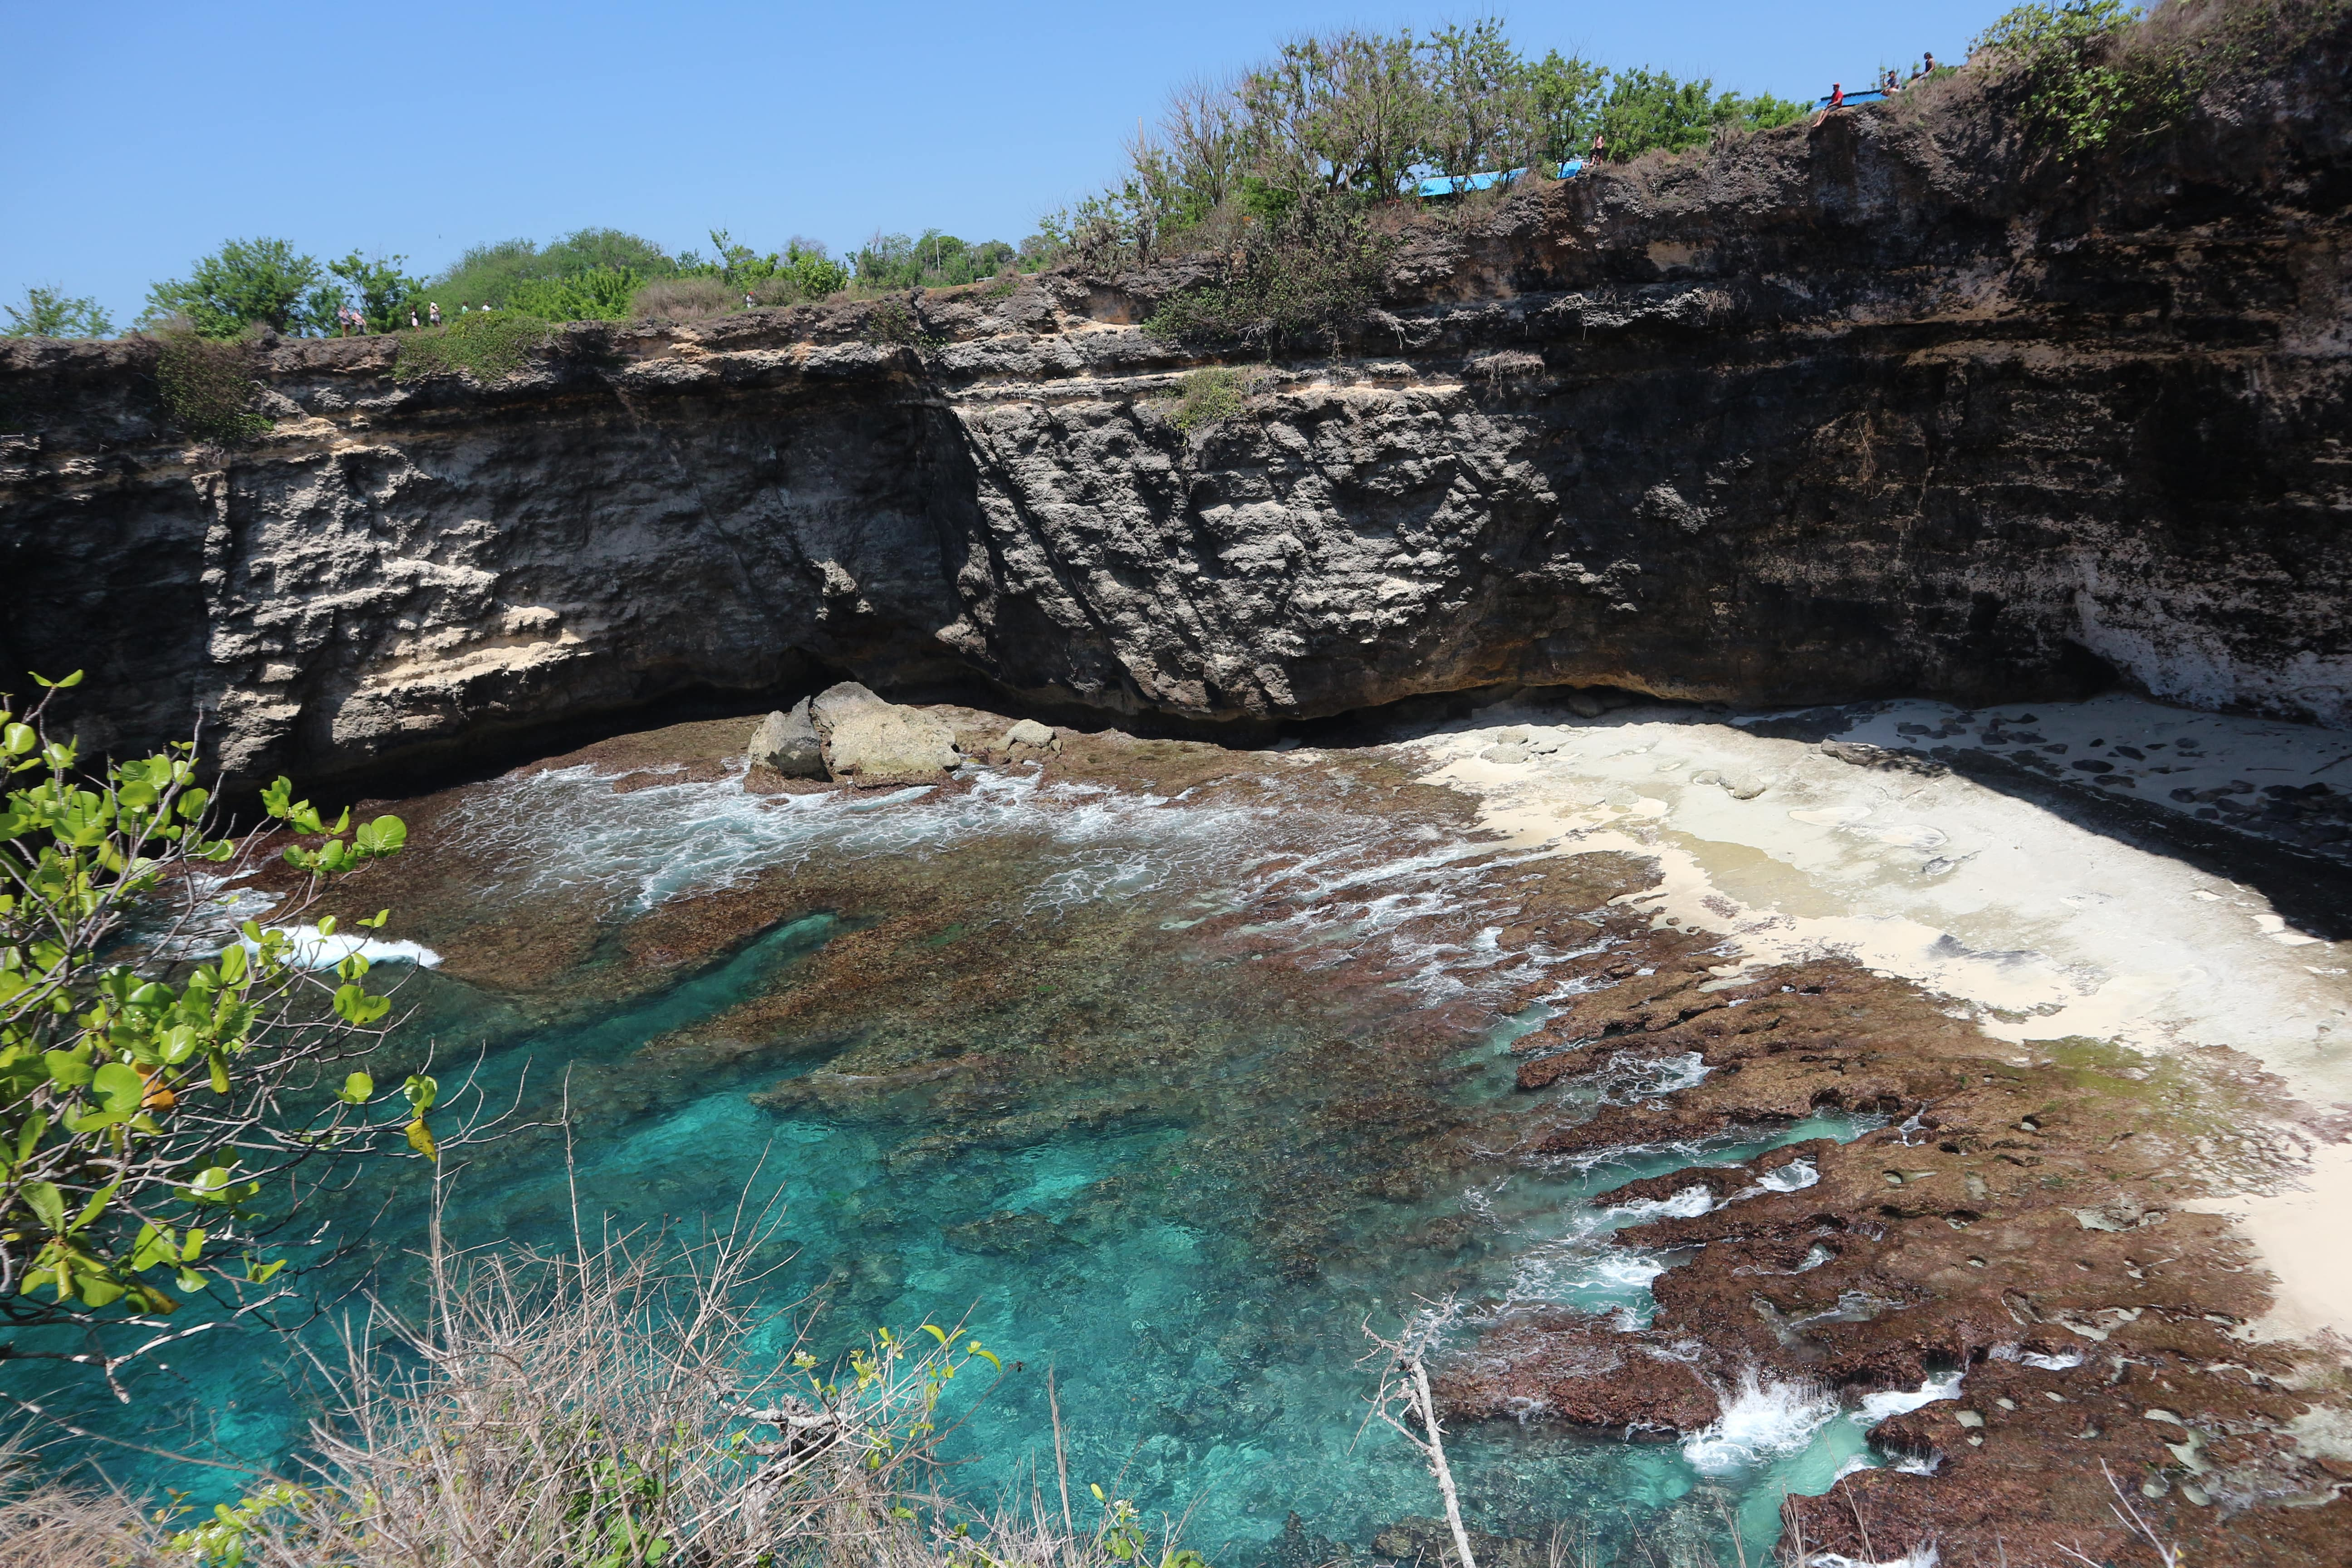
(1836,102)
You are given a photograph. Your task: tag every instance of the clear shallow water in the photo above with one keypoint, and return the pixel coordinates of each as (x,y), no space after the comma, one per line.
(1223,1123)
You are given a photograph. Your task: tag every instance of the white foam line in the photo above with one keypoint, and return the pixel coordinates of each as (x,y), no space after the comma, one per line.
(306,949)
(1762,1419)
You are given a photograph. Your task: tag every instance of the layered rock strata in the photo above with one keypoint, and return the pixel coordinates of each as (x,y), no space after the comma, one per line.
(1882,404)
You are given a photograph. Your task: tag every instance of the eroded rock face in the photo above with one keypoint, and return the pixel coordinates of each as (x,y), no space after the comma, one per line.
(1875,406)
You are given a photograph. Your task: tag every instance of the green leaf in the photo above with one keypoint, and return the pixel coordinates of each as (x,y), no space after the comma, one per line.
(95,1207)
(422,1092)
(121,1086)
(358,1089)
(152,1246)
(383,837)
(49,1205)
(232,964)
(98,1290)
(18,739)
(935,1333)
(67,1069)
(210,1185)
(358,1008)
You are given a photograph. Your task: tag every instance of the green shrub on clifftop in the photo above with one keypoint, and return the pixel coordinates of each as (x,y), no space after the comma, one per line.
(2087,74)
(490,346)
(247,283)
(1302,277)
(208,387)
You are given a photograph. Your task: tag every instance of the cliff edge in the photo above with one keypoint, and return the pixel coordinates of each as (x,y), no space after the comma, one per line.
(1888,403)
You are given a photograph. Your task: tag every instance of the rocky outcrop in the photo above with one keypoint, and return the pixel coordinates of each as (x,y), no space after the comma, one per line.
(2006,1262)
(789,744)
(1882,405)
(870,741)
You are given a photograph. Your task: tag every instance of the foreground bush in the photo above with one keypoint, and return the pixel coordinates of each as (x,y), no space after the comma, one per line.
(158,1066)
(618,1407)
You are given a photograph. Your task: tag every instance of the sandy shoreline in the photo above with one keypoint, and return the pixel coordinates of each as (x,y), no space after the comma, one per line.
(2036,928)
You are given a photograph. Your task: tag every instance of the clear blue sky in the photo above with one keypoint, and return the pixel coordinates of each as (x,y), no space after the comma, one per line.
(139,136)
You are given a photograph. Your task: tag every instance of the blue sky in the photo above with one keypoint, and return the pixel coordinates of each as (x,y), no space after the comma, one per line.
(141,135)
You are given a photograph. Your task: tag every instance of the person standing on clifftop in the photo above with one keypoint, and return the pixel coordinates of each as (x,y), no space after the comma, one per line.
(433,312)
(1600,148)
(411,318)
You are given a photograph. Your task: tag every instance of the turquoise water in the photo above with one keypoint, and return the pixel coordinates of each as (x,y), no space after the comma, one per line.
(1242,1083)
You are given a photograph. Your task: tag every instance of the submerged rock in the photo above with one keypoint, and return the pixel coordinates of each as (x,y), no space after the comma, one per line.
(789,744)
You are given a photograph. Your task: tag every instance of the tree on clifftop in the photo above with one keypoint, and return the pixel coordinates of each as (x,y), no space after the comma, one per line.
(50,314)
(247,283)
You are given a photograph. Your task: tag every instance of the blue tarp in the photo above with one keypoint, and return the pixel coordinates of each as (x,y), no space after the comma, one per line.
(1454,185)
(1873,95)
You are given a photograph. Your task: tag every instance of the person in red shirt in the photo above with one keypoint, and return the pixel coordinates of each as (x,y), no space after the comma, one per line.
(1837,101)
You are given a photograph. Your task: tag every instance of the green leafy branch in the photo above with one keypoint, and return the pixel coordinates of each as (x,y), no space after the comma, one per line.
(155,1076)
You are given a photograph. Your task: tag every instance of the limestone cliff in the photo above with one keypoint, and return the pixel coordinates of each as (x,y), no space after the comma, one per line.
(1883,405)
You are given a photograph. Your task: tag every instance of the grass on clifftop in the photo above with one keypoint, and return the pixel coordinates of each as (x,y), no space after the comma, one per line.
(490,346)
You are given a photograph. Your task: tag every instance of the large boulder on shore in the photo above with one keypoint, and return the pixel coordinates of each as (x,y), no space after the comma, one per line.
(828,708)
(870,741)
(789,744)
